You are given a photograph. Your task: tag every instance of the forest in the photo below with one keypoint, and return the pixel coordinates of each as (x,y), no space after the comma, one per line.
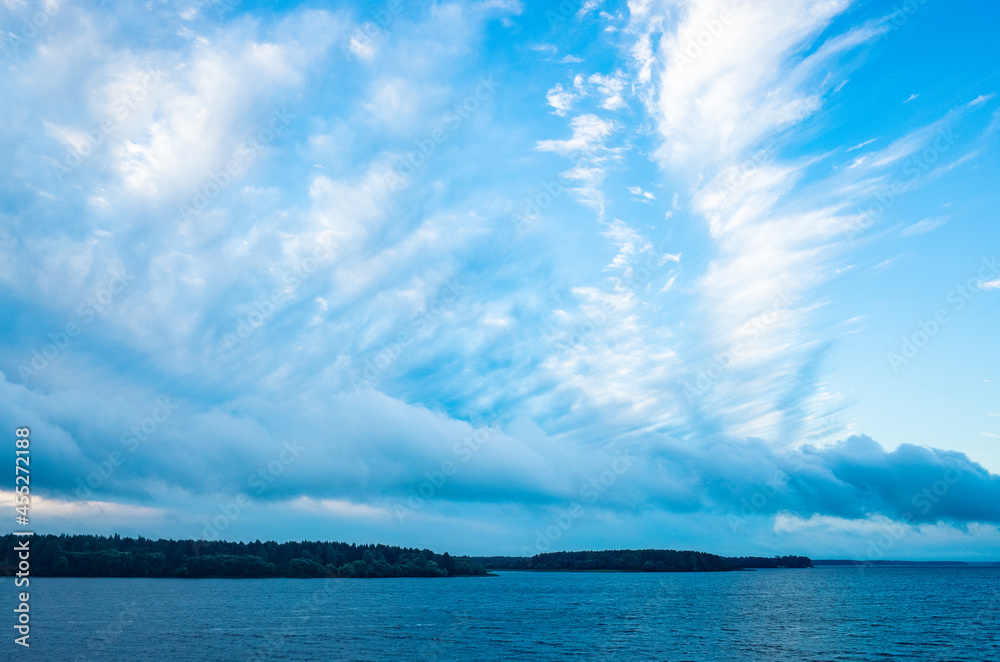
(99,556)
(114,556)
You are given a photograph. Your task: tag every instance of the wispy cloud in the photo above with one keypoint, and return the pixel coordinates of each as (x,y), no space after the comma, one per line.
(862,144)
(924,226)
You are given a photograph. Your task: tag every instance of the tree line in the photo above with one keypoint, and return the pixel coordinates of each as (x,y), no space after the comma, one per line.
(114,556)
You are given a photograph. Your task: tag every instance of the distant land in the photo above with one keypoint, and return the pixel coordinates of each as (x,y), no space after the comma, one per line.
(114,556)
(979,564)
(99,556)
(638,560)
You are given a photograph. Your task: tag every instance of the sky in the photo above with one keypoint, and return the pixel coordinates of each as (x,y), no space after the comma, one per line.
(499,277)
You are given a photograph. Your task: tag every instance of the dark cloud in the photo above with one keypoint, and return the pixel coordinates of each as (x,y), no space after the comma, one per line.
(367,447)
(854,478)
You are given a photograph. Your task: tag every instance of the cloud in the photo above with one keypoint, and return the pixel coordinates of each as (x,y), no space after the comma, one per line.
(924,226)
(981,99)
(359,454)
(398,103)
(641,195)
(854,479)
(339,508)
(862,144)
(589,135)
(561,100)
(726,104)
(714,101)
(610,88)
(192,133)
(506,6)
(544,48)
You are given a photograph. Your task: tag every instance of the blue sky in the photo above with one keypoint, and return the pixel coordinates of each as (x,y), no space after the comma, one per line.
(492,277)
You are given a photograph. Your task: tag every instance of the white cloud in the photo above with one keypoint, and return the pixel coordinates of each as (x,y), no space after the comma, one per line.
(589,134)
(201,111)
(52,507)
(716,104)
(862,144)
(626,238)
(362,46)
(716,100)
(561,100)
(610,87)
(515,7)
(644,196)
(587,6)
(544,48)
(398,103)
(924,226)
(338,507)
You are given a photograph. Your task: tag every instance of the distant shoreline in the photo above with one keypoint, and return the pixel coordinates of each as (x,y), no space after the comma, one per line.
(114,556)
(900,564)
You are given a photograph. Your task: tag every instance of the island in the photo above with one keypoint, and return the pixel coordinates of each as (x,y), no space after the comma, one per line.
(638,560)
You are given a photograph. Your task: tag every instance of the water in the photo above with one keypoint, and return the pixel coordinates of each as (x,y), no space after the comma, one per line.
(824,614)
